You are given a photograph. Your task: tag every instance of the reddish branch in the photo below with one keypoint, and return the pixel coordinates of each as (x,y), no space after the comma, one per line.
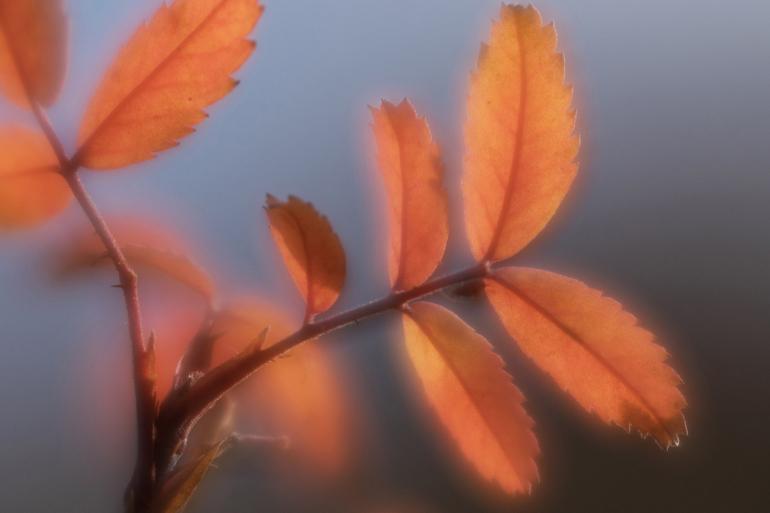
(140,489)
(184,406)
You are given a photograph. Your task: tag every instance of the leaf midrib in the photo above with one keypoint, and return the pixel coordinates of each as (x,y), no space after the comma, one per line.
(657,417)
(471,396)
(138,88)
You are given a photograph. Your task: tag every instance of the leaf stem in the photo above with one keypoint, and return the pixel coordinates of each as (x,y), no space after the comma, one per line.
(142,482)
(182,410)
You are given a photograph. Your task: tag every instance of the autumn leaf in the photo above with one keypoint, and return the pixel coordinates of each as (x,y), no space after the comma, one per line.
(33,45)
(299,395)
(172,68)
(147,249)
(473,395)
(310,249)
(519,136)
(31,188)
(411,169)
(593,349)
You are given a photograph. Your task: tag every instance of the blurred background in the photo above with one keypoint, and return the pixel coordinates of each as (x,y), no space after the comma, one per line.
(669,214)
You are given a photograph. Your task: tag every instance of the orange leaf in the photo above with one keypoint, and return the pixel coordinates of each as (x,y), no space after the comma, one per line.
(473,395)
(33,44)
(155,92)
(298,395)
(310,249)
(519,136)
(146,248)
(31,188)
(593,349)
(410,165)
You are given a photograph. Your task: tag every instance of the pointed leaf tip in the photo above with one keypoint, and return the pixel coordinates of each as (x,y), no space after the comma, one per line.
(410,165)
(173,67)
(593,349)
(520,146)
(472,394)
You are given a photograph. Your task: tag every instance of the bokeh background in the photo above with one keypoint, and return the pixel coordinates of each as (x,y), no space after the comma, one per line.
(670,214)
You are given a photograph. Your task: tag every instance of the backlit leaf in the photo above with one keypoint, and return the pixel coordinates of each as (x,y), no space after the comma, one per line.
(146,248)
(33,45)
(31,188)
(473,395)
(593,349)
(411,168)
(519,136)
(310,249)
(298,395)
(172,68)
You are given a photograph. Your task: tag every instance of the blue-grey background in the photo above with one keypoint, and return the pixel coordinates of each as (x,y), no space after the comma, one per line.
(670,214)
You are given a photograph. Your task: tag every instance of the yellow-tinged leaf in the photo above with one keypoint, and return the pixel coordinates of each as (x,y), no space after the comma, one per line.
(180,486)
(31,188)
(299,395)
(33,45)
(411,168)
(310,249)
(593,349)
(473,396)
(519,136)
(172,68)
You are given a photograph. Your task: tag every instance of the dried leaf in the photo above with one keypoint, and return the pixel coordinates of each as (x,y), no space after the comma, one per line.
(593,349)
(180,486)
(33,45)
(31,188)
(172,68)
(473,396)
(411,168)
(310,249)
(519,136)
(298,395)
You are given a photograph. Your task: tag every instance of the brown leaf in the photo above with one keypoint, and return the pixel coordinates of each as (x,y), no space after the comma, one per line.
(519,136)
(310,249)
(180,486)
(31,188)
(593,349)
(473,395)
(411,168)
(173,67)
(33,45)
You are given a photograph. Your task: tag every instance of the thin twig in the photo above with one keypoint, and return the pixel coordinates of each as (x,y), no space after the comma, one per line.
(179,411)
(143,365)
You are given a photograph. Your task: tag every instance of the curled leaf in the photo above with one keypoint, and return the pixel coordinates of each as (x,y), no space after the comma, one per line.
(310,249)
(31,188)
(173,67)
(519,136)
(593,349)
(473,395)
(411,169)
(33,45)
